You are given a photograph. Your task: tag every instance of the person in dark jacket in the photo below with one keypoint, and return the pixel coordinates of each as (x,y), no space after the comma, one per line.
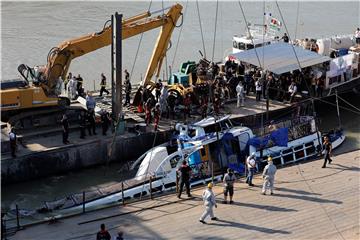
(105,121)
(65,129)
(103,85)
(327,151)
(184,171)
(103,234)
(82,123)
(12,138)
(127,92)
(285,38)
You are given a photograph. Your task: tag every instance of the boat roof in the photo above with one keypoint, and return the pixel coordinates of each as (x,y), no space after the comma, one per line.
(209,121)
(280,58)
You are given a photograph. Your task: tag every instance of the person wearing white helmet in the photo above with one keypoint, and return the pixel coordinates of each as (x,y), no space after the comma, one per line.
(269,176)
(251,166)
(209,203)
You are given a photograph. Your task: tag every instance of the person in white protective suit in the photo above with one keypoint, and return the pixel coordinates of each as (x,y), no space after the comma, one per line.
(72,88)
(240,94)
(209,203)
(269,177)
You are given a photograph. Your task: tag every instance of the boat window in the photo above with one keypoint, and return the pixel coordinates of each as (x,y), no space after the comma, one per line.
(249,46)
(241,46)
(235,45)
(211,128)
(243,139)
(235,146)
(191,133)
(174,161)
(224,125)
(203,152)
(258,45)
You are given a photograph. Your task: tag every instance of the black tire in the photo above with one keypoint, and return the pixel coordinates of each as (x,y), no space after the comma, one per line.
(176,95)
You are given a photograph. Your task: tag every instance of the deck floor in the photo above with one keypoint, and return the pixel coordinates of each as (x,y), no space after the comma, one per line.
(309,203)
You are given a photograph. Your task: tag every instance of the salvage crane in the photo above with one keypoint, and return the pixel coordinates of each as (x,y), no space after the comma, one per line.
(38,101)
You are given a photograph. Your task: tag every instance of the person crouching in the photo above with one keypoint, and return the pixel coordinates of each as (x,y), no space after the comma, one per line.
(209,203)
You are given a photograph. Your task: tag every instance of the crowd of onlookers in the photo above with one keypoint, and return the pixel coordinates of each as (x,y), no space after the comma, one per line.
(215,84)
(218,84)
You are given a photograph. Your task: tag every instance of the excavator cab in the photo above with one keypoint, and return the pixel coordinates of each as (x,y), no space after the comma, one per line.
(33,75)
(188,78)
(183,76)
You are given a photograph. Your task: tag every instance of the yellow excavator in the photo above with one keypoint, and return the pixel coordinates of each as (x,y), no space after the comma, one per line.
(34,98)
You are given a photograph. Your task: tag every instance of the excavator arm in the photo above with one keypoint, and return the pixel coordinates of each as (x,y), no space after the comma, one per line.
(59,58)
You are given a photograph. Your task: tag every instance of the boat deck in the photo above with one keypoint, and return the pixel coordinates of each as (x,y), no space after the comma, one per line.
(309,203)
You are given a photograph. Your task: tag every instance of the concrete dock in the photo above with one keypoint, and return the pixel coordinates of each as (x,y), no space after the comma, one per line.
(309,203)
(40,150)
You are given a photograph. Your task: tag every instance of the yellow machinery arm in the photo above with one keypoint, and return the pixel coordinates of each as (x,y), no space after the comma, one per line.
(59,58)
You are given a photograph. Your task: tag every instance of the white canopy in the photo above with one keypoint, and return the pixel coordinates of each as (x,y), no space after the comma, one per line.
(280,58)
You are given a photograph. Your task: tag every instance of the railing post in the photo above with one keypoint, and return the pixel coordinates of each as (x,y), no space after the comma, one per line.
(177,182)
(83,202)
(122,193)
(150,190)
(17,218)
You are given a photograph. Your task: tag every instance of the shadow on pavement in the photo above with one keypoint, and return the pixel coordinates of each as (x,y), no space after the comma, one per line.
(208,238)
(342,167)
(265,207)
(225,223)
(307,198)
(282,189)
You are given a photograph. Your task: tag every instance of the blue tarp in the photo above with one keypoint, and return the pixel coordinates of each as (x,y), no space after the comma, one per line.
(259,142)
(280,137)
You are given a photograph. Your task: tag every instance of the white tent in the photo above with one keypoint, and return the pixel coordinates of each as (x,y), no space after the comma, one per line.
(279,57)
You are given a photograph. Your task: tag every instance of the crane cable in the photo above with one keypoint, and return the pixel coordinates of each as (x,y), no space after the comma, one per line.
(110,152)
(138,48)
(297,18)
(348,103)
(263,62)
(166,62)
(216,16)
(263,51)
(154,141)
(201,31)
(178,40)
(248,29)
(293,48)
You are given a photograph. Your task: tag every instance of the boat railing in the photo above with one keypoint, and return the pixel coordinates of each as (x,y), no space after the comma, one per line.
(298,128)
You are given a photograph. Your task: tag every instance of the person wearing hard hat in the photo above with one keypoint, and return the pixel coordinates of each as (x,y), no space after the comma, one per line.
(251,166)
(209,203)
(269,176)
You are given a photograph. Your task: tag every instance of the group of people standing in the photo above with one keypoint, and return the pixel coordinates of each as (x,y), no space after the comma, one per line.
(74,86)
(184,175)
(87,120)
